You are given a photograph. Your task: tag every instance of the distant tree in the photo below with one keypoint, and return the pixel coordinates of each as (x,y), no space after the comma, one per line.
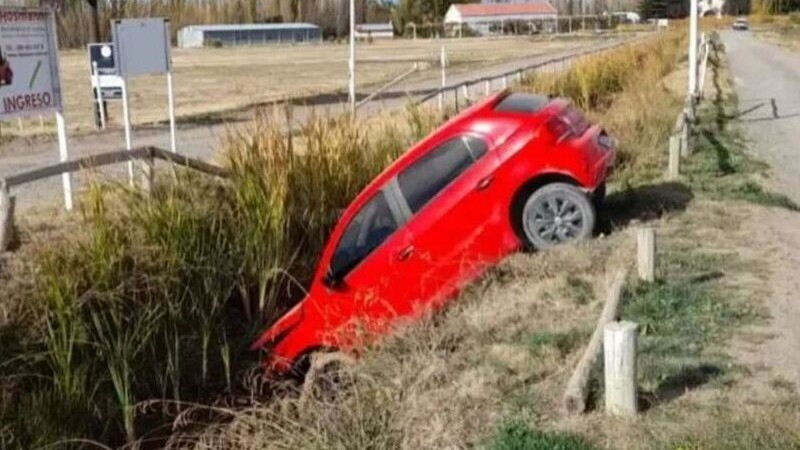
(422,11)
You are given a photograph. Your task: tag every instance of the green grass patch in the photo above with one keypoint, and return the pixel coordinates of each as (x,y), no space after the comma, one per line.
(682,316)
(721,169)
(518,436)
(563,342)
(578,290)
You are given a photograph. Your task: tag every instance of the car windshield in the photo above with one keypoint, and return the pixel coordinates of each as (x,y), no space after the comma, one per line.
(370,227)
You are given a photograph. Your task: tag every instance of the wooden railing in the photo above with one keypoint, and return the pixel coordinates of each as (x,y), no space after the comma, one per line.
(146,156)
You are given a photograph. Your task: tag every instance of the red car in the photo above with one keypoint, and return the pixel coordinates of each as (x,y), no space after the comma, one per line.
(516,170)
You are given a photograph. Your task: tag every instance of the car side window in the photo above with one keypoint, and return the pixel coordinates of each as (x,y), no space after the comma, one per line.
(420,182)
(370,227)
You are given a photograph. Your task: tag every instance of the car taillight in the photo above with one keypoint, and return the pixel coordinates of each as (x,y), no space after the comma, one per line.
(568,124)
(606,141)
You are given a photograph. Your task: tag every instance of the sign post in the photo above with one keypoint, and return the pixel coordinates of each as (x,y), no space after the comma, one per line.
(126,118)
(106,83)
(352,61)
(98,95)
(143,48)
(30,78)
(693,48)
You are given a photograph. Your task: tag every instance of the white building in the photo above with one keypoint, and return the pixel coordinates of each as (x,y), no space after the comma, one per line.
(247,34)
(485,18)
(375,31)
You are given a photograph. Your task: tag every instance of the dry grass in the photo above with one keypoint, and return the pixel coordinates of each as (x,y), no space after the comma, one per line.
(780,30)
(618,89)
(446,383)
(500,355)
(211,81)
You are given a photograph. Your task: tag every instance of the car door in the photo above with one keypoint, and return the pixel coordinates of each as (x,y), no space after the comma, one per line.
(367,271)
(450,197)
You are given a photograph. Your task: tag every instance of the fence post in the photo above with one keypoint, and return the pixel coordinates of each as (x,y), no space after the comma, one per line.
(686,149)
(443,63)
(505,81)
(619,344)
(646,239)
(7,203)
(674,167)
(487,87)
(148,173)
(465,90)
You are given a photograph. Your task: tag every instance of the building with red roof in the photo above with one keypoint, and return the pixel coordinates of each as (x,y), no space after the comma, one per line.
(485,18)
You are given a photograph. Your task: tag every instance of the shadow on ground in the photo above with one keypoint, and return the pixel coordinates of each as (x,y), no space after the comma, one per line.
(677,384)
(642,204)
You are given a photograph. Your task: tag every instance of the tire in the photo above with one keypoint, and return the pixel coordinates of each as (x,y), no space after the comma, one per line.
(329,374)
(599,196)
(555,214)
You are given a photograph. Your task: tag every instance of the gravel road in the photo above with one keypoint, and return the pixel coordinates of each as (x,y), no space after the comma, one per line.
(767,79)
(200,141)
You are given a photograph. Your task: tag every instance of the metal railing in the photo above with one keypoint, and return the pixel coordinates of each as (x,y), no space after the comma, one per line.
(488,83)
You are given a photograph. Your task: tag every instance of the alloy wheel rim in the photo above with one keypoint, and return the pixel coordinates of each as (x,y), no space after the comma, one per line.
(553,219)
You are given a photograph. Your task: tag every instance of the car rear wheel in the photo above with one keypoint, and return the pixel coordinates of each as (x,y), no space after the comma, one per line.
(557,213)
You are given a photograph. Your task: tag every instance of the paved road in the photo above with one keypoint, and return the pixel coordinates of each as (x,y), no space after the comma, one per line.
(767,79)
(200,141)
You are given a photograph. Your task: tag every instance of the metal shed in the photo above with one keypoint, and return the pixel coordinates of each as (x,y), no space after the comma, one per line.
(247,34)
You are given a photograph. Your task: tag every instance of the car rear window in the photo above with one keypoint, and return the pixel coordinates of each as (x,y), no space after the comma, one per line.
(522,103)
(420,182)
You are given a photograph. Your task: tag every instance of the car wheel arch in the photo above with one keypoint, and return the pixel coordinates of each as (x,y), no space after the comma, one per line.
(302,363)
(528,188)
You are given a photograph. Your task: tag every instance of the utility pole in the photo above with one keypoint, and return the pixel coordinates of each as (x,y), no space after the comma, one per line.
(693,48)
(352,61)
(94,21)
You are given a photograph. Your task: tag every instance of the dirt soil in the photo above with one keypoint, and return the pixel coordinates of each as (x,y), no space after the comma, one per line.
(766,77)
(769,350)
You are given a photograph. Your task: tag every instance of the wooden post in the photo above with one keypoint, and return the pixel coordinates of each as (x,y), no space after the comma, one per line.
(577,391)
(674,167)
(7,203)
(646,238)
(443,67)
(619,343)
(148,173)
(686,149)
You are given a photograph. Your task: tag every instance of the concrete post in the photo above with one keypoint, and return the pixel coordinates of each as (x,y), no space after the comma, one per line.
(619,344)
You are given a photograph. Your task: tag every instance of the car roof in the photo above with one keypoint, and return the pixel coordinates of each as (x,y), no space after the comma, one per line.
(481,119)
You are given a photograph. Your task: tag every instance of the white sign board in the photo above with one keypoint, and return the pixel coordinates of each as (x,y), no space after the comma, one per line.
(29,76)
(142,45)
(102,58)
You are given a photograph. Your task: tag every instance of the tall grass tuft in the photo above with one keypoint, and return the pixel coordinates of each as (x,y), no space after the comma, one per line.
(160,297)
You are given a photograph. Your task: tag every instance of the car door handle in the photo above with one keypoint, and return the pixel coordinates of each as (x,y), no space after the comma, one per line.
(405,253)
(484,183)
